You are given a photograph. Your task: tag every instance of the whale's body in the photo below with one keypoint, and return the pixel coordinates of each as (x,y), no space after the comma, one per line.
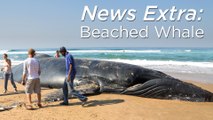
(96,76)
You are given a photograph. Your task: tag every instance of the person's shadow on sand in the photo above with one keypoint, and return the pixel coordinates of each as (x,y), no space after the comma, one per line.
(12,93)
(94,103)
(16,93)
(91,103)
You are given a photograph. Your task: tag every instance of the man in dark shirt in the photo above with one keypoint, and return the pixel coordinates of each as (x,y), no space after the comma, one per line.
(70,76)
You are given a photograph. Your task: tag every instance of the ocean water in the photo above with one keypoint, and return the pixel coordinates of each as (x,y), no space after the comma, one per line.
(185,61)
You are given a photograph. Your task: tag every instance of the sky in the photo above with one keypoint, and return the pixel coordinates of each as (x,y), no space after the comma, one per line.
(54,23)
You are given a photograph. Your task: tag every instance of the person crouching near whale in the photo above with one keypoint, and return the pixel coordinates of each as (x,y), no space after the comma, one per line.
(30,78)
(70,76)
(8,74)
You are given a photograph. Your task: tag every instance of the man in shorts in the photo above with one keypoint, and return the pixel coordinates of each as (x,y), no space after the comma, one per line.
(30,78)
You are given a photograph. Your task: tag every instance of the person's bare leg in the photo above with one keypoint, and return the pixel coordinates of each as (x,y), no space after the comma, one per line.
(29,99)
(39,99)
(29,107)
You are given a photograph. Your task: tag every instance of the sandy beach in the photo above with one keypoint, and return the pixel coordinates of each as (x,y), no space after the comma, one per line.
(108,107)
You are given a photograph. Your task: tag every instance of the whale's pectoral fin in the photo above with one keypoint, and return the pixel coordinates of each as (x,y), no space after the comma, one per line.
(152,88)
(169,89)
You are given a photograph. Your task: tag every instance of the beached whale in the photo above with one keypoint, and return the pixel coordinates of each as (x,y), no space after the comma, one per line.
(97,76)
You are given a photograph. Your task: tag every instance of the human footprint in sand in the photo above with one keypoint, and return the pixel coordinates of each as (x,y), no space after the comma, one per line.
(8,74)
(30,78)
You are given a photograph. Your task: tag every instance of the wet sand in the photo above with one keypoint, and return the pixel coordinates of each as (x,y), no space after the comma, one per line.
(108,107)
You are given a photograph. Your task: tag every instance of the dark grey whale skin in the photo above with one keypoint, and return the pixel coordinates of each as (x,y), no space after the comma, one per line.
(96,76)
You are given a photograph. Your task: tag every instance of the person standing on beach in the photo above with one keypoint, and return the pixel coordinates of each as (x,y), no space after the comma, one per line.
(57,54)
(30,78)
(70,76)
(8,74)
